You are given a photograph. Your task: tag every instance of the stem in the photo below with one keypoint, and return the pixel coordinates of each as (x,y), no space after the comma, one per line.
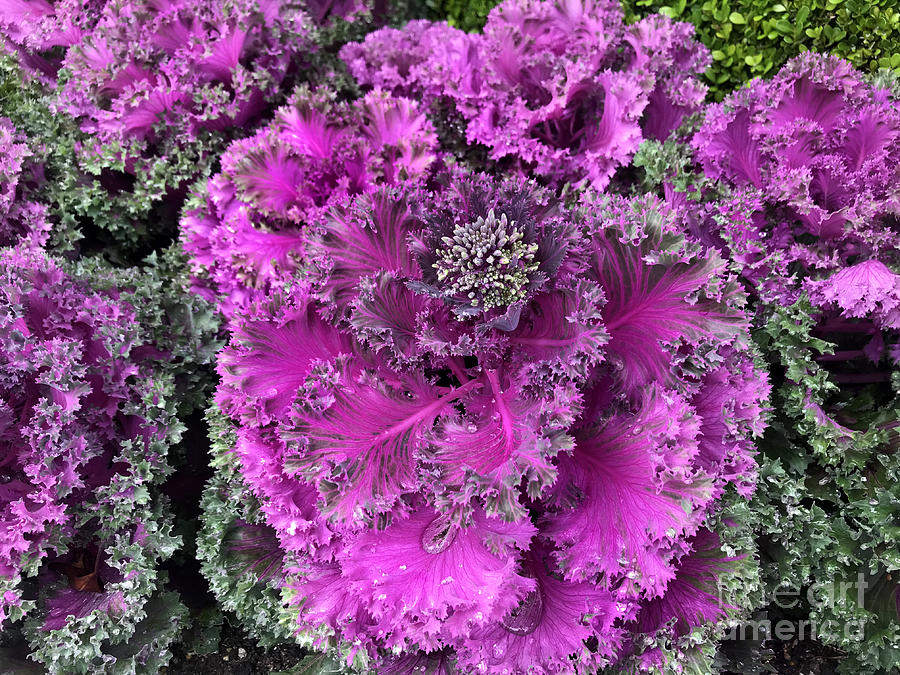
(862,378)
(844,355)
(458,370)
(843,327)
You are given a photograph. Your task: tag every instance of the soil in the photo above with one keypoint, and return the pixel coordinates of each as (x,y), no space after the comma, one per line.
(804,657)
(238,654)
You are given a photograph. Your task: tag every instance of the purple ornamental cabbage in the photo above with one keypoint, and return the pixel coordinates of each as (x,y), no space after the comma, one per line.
(814,159)
(19,216)
(488,429)
(82,433)
(140,73)
(248,234)
(421,59)
(567,89)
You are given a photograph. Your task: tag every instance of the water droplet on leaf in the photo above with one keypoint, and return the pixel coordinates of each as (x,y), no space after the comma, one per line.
(525,618)
(438,536)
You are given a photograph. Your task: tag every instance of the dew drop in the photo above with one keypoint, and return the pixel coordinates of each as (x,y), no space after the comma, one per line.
(525,618)
(438,536)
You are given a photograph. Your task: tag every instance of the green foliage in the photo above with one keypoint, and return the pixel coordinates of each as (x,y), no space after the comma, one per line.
(257,603)
(133,643)
(467,15)
(672,162)
(754,38)
(829,494)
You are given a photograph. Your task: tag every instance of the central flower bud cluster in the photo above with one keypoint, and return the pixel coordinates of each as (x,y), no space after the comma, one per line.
(487,261)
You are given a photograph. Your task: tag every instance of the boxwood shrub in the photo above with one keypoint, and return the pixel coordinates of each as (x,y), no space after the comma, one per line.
(754,38)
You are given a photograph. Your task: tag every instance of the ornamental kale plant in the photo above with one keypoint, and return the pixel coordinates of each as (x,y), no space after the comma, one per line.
(813,156)
(245,233)
(567,91)
(130,71)
(86,425)
(491,431)
(804,168)
(155,86)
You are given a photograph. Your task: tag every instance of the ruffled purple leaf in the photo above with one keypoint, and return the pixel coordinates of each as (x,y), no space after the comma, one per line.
(866,290)
(361,448)
(498,447)
(628,492)
(693,597)
(656,300)
(425,567)
(269,360)
(550,625)
(363,237)
(562,332)
(385,316)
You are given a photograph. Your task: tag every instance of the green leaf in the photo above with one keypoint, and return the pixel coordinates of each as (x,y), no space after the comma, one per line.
(737,18)
(753,60)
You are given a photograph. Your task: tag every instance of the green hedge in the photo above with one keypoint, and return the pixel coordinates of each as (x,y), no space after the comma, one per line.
(467,15)
(751,38)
